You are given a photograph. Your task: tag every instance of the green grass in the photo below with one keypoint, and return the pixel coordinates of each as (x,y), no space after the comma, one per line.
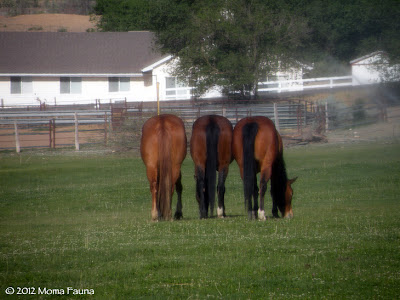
(83,221)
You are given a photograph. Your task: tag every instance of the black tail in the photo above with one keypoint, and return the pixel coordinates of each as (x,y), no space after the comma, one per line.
(212,136)
(249,133)
(278,181)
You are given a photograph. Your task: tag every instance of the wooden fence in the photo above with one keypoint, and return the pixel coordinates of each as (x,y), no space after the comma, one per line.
(53,129)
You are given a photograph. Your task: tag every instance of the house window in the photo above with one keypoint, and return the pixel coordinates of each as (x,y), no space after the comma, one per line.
(70,85)
(119,84)
(21,85)
(176,88)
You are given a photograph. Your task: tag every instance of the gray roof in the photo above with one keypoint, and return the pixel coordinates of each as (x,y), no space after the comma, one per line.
(76,53)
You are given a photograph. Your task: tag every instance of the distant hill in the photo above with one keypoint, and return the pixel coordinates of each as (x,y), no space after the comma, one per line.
(48,22)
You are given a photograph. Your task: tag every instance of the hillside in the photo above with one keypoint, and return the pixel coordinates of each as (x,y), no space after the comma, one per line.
(48,22)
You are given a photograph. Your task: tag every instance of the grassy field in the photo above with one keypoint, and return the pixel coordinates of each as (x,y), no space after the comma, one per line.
(83,221)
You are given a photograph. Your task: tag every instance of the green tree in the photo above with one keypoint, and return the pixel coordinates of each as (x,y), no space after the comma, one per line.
(236,43)
(343,30)
(233,44)
(124,15)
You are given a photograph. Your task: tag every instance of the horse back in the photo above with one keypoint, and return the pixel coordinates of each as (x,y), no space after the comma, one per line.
(204,126)
(163,129)
(266,141)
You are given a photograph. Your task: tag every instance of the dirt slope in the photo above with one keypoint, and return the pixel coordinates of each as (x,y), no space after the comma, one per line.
(47,22)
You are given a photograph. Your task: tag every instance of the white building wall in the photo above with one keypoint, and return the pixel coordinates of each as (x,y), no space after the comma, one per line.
(47,89)
(369,70)
(365,74)
(142,88)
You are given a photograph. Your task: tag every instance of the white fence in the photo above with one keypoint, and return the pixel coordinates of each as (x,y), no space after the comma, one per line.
(305,84)
(181,93)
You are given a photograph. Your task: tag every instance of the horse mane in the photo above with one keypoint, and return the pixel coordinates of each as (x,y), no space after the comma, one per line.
(164,177)
(212,136)
(278,180)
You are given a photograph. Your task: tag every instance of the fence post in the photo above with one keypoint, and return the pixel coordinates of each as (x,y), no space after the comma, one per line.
(105,128)
(17,144)
(76,133)
(276,116)
(237,116)
(326,117)
(299,120)
(53,127)
(50,135)
(305,113)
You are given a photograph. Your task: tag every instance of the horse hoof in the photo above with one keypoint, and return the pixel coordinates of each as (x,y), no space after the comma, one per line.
(220,212)
(252,215)
(178,216)
(261,215)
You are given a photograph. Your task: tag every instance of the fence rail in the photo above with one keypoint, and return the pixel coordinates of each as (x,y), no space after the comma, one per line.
(305,84)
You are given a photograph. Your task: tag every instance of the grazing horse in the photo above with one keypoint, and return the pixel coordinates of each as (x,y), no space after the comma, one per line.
(257,147)
(210,148)
(163,148)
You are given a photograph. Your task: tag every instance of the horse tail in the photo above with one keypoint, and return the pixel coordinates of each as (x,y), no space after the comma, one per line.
(212,137)
(164,174)
(249,132)
(278,180)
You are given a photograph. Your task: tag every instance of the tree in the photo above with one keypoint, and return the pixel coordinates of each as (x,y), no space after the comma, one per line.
(236,43)
(124,15)
(343,30)
(233,44)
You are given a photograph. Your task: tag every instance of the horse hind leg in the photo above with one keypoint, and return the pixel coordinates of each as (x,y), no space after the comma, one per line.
(221,192)
(255,197)
(153,180)
(200,192)
(265,176)
(263,189)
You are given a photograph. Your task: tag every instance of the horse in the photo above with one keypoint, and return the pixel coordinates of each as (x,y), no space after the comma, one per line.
(163,148)
(210,148)
(257,147)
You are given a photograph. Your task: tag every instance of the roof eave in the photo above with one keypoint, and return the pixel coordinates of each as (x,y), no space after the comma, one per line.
(156,64)
(354,61)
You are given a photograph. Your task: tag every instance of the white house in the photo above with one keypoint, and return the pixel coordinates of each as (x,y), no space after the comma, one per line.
(373,68)
(68,68)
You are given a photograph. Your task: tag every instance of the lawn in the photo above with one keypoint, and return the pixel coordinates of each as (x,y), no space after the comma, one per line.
(70,222)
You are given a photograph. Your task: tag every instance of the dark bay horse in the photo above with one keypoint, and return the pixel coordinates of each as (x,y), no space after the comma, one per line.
(257,147)
(210,148)
(163,148)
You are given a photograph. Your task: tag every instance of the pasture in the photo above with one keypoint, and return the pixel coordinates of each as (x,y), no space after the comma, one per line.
(83,221)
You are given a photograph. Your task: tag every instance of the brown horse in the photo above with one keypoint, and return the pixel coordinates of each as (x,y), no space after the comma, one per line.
(210,148)
(257,147)
(163,148)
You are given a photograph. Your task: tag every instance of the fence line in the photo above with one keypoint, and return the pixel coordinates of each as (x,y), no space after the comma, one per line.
(76,127)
